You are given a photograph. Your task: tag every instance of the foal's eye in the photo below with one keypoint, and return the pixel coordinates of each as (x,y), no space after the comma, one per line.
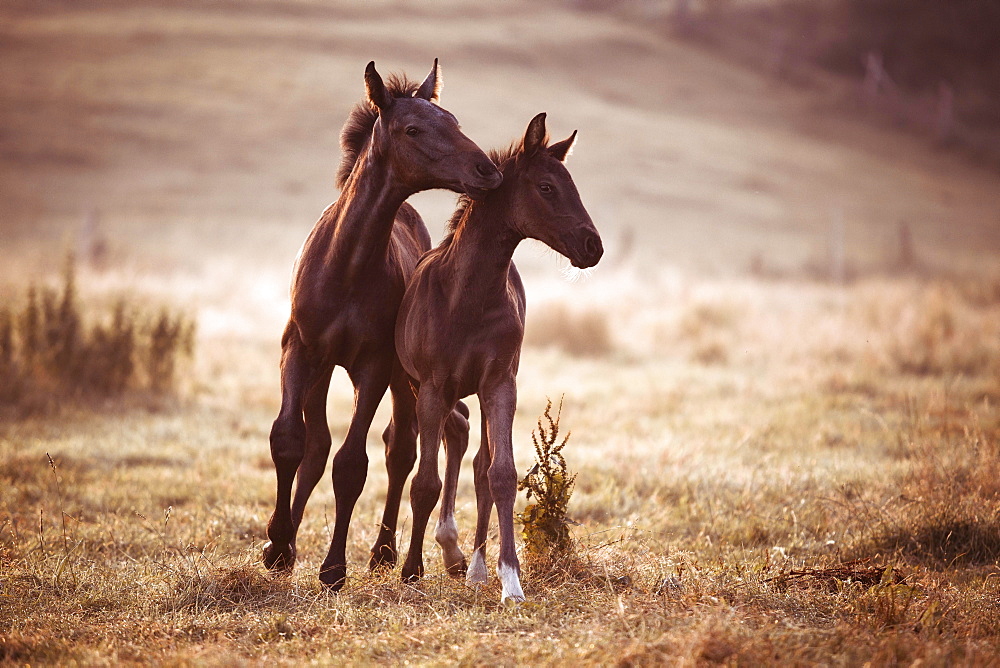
(412,131)
(545,188)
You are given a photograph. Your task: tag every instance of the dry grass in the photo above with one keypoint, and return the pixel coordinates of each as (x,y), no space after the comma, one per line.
(581,333)
(723,530)
(942,332)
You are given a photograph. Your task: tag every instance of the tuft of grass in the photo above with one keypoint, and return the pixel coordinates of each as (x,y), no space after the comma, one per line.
(709,328)
(710,353)
(578,333)
(226,588)
(946,330)
(703,318)
(170,338)
(948,508)
(53,349)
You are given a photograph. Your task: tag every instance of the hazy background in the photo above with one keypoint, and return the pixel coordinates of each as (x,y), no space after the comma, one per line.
(200,138)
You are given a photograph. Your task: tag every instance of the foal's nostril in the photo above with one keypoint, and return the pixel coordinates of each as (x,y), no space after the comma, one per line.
(593,246)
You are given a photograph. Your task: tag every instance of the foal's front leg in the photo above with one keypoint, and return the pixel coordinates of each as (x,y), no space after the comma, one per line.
(400,439)
(499,401)
(350,467)
(426,486)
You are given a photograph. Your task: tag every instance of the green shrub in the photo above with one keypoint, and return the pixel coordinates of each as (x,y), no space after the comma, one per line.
(51,349)
(546,524)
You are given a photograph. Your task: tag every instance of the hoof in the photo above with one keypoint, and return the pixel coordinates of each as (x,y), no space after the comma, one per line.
(333,577)
(278,559)
(477,572)
(510,581)
(412,574)
(383,558)
(458,570)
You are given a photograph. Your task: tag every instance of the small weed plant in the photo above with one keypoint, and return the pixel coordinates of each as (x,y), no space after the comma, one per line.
(549,486)
(51,349)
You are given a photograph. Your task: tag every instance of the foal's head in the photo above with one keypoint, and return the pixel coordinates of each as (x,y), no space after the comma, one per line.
(420,142)
(545,201)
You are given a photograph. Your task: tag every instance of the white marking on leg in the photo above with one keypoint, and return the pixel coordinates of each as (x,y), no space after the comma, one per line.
(477,569)
(511,581)
(446,535)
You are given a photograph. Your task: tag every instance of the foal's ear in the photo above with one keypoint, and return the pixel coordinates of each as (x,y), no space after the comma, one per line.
(561,150)
(535,136)
(430,89)
(377,94)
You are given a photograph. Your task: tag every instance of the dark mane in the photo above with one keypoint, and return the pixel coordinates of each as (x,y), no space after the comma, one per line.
(358,128)
(500,158)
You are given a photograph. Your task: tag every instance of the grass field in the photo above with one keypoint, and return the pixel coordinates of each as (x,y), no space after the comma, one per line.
(773,467)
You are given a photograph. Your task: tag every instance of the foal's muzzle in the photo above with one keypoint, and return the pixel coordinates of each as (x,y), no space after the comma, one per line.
(487,178)
(587,248)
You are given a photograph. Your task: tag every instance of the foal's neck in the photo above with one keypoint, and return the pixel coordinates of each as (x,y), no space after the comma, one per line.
(483,246)
(363,217)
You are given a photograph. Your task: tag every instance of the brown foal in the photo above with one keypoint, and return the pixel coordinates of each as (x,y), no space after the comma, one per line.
(459,333)
(347,285)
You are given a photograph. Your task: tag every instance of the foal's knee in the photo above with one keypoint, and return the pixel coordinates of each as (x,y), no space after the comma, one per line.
(456,434)
(288,438)
(350,469)
(425,491)
(319,439)
(481,462)
(503,482)
(401,460)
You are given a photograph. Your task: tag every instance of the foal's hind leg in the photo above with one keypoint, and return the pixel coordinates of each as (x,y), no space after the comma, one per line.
(288,438)
(350,466)
(400,439)
(456,442)
(317,447)
(484,508)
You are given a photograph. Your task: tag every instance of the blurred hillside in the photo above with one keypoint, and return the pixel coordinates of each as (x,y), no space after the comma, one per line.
(182,132)
(931,55)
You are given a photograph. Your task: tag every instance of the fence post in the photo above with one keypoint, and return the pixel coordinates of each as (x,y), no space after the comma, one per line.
(874,73)
(778,56)
(907,258)
(682,16)
(945,121)
(92,245)
(838,250)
